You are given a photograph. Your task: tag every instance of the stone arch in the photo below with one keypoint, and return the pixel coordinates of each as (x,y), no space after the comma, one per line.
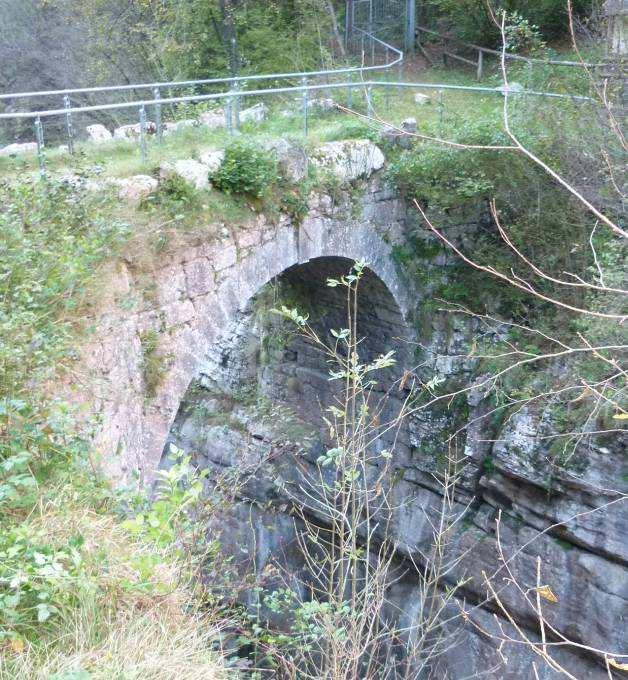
(199,293)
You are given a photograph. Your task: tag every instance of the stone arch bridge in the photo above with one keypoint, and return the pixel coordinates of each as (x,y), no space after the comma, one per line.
(195,308)
(196,294)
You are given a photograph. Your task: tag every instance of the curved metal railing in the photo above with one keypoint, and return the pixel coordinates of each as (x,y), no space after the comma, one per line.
(237,89)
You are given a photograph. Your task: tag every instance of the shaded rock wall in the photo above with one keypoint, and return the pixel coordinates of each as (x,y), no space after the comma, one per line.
(220,356)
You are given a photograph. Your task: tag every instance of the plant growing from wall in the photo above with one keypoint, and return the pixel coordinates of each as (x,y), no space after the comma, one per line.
(246,169)
(341,631)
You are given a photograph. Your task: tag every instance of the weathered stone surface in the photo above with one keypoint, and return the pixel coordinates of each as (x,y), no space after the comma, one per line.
(98,134)
(291,158)
(175,126)
(421,99)
(193,172)
(126,132)
(18,149)
(212,158)
(254,114)
(214,120)
(350,159)
(200,300)
(136,188)
(511,88)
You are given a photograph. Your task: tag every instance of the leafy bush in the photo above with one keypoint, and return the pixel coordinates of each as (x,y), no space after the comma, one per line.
(52,236)
(246,169)
(472,22)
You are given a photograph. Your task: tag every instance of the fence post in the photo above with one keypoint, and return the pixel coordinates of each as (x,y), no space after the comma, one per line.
(39,136)
(440,110)
(350,92)
(68,123)
(305,104)
(235,109)
(410,26)
(400,76)
(369,102)
(143,149)
(157,96)
(480,70)
(229,114)
(386,88)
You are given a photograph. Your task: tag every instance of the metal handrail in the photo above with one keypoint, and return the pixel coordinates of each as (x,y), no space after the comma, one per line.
(229,80)
(281,90)
(507,55)
(234,93)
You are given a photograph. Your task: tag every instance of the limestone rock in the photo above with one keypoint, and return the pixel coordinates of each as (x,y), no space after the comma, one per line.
(136,188)
(175,126)
(212,159)
(291,158)
(421,99)
(397,136)
(98,134)
(255,114)
(16,149)
(350,159)
(191,171)
(213,120)
(511,88)
(133,131)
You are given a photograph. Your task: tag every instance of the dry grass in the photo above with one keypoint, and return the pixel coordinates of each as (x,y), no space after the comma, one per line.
(134,619)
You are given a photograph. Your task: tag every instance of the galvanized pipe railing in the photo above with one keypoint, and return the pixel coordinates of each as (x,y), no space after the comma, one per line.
(237,88)
(233,95)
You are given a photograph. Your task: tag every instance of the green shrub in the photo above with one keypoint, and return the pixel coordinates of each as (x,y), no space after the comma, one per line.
(472,21)
(246,169)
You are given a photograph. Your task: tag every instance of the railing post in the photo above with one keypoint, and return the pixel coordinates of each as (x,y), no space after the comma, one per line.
(39,136)
(157,96)
(480,70)
(229,113)
(68,123)
(305,104)
(235,109)
(369,102)
(386,88)
(349,92)
(143,149)
(440,110)
(400,75)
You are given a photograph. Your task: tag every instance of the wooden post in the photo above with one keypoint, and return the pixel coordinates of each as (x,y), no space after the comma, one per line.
(480,65)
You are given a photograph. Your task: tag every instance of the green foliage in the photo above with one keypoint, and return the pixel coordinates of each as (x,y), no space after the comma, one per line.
(176,196)
(246,169)
(472,21)
(37,580)
(154,362)
(168,517)
(52,237)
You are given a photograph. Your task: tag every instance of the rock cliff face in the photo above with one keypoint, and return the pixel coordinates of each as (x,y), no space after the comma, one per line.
(241,393)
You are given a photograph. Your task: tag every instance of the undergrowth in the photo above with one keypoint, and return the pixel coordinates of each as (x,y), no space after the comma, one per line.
(85,593)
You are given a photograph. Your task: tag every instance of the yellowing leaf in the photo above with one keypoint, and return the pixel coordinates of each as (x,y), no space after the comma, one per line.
(17,645)
(616,664)
(620,416)
(546,593)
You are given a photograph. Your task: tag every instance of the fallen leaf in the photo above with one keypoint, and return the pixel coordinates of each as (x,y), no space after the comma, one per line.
(616,664)
(620,416)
